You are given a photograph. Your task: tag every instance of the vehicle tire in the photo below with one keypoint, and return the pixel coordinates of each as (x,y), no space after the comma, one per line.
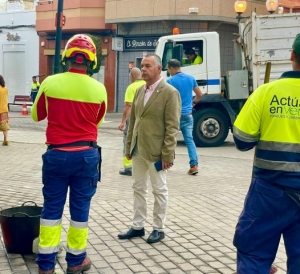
(211,127)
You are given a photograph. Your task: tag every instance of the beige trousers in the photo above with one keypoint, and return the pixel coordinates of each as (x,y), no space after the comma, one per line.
(141,170)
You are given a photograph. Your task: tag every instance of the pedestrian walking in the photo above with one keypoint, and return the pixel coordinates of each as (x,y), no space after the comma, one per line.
(136,80)
(4,118)
(151,143)
(269,121)
(185,84)
(74,104)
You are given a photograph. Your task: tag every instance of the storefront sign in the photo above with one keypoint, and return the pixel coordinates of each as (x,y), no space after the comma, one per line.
(140,43)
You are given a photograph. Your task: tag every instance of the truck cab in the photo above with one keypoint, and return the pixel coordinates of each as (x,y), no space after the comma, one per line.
(212,113)
(207,74)
(262,53)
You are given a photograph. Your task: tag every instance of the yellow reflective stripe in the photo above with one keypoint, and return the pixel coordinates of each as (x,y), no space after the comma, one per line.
(77,238)
(126,162)
(50,236)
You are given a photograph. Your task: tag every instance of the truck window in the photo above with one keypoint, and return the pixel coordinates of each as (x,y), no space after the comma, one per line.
(168,54)
(192,52)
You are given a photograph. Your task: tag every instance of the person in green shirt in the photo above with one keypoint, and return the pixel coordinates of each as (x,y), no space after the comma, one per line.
(193,57)
(136,82)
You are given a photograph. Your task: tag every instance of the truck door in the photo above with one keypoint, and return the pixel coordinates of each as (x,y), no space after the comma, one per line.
(176,49)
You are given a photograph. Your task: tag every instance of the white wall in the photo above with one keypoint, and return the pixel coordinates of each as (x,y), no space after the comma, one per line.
(21,23)
(20,5)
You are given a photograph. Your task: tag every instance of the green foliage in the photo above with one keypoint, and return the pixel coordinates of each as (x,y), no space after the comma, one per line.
(97,42)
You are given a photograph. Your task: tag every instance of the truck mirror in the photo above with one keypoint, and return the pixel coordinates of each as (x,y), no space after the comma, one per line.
(178,52)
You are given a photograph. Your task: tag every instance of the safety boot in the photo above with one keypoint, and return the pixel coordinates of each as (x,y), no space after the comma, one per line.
(78,269)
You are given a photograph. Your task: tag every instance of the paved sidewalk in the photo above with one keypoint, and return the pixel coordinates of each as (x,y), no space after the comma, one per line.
(201,218)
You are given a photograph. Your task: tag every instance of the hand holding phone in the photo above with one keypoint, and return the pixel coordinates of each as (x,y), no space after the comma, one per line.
(159,165)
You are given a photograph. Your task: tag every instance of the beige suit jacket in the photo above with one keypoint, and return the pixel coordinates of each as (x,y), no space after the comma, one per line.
(153,127)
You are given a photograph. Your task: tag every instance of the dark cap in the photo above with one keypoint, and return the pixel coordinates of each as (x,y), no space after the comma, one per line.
(189,51)
(296,44)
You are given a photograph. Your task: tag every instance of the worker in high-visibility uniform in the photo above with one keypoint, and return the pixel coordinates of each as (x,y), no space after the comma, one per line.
(136,82)
(34,88)
(74,104)
(193,57)
(270,120)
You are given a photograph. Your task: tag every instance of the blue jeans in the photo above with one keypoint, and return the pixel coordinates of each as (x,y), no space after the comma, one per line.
(33,95)
(186,127)
(76,171)
(268,213)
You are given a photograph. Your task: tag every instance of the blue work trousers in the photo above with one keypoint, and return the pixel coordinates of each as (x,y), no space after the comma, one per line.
(76,171)
(186,127)
(268,213)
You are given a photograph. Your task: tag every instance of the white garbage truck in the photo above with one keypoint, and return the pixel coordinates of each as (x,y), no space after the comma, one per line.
(262,40)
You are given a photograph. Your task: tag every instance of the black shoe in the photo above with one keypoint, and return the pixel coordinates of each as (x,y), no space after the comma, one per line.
(131,233)
(126,171)
(155,237)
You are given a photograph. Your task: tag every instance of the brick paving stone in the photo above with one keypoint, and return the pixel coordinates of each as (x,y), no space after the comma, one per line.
(196,262)
(177,260)
(177,271)
(187,255)
(137,268)
(107,270)
(186,267)
(111,259)
(124,271)
(216,264)
(156,269)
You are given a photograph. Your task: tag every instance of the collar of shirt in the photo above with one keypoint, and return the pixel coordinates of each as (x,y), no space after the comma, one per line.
(152,87)
(290,74)
(77,71)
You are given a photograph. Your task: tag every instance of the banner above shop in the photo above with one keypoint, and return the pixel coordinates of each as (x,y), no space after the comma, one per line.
(142,43)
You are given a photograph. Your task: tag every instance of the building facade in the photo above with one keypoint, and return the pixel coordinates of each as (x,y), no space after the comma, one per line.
(19,42)
(140,23)
(81,16)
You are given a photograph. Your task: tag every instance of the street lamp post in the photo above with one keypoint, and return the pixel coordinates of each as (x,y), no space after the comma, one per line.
(240,6)
(59,24)
(271,5)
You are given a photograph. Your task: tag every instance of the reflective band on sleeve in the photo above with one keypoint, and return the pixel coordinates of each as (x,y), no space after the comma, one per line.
(244,136)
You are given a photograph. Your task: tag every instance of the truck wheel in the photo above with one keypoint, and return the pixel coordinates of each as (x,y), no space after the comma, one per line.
(210,127)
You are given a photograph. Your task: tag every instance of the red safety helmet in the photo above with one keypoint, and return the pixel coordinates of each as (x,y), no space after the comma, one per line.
(82,44)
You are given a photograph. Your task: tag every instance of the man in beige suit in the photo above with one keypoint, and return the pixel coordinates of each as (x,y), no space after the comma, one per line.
(151,143)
